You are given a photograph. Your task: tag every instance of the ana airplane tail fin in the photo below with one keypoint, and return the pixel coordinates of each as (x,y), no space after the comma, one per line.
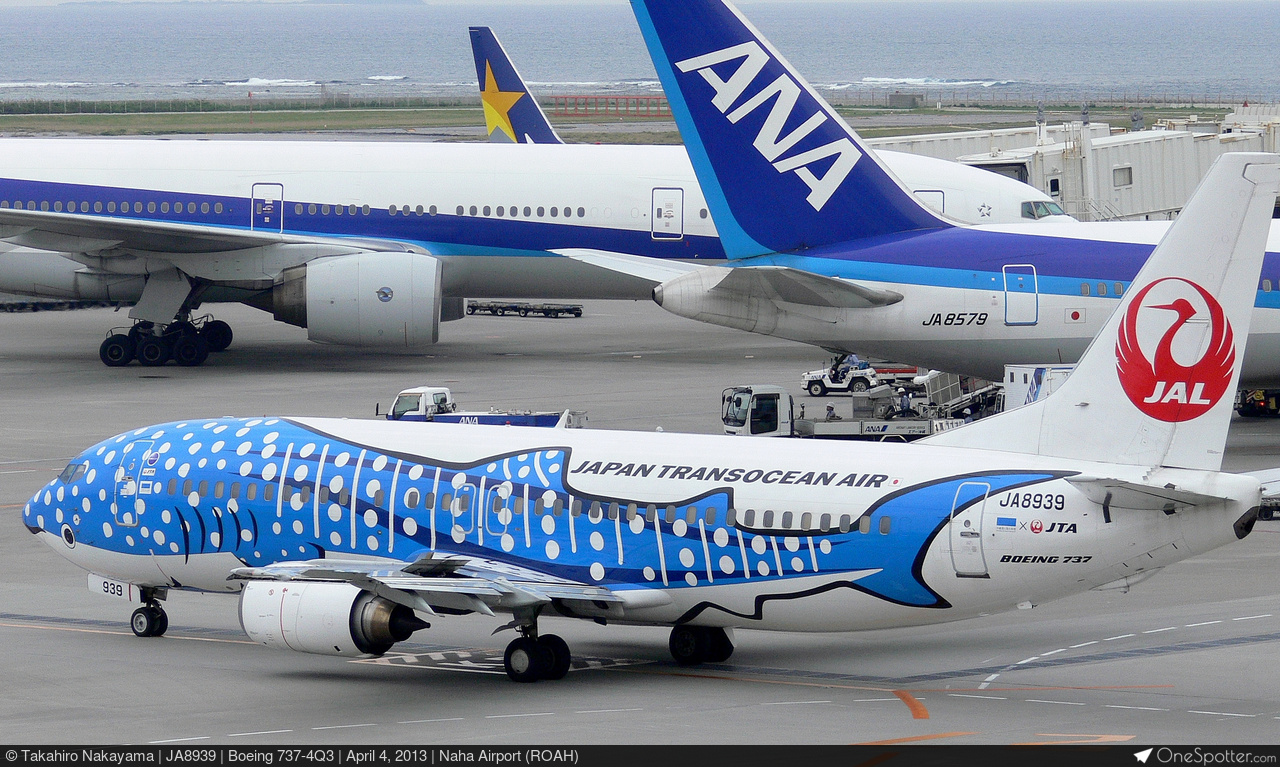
(1157,386)
(779,168)
(511,113)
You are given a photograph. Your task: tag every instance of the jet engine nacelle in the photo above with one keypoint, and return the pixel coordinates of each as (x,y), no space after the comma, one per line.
(366,299)
(323,618)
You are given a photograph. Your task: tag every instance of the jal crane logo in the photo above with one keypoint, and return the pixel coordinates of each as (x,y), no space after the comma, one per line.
(1162,387)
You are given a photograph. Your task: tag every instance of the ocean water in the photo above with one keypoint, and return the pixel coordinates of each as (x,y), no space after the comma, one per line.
(1073,48)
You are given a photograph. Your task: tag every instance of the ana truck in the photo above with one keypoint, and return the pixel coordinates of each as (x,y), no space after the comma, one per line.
(436,403)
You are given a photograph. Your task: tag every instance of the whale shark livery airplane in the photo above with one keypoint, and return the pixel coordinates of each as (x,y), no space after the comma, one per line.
(344,537)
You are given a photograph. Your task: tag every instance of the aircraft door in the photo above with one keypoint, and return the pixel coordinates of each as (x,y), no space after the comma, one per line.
(668,214)
(267,206)
(1021,295)
(967,511)
(135,476)
(934,198)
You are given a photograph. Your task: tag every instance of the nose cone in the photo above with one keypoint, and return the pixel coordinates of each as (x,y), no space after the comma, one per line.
(31,516)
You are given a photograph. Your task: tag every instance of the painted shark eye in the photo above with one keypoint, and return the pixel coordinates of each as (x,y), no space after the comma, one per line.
(68,537)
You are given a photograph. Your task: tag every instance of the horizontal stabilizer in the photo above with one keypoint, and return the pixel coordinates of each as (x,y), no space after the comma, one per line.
(1122,494)
(1270,480)
(655,270)
(795,286)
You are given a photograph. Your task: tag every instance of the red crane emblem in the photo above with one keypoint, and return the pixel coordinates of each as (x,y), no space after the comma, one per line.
(1163,388)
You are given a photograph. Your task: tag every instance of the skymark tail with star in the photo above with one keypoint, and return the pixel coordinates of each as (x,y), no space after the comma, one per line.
(511,114)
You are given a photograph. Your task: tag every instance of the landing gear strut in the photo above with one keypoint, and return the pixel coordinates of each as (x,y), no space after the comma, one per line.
(187,342)
(150,620)
(693,645)
(530,657)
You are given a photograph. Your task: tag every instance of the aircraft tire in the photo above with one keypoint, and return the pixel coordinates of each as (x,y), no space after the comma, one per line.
(148,621)
(152,352)
(190,350)
(816,389)
(561,658)
(117,351)
(218,334)
(525,660)
(689,645)
(721,647)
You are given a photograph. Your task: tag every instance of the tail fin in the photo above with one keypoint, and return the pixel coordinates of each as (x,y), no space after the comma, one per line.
(779,168)
(1157,386)
(511,113)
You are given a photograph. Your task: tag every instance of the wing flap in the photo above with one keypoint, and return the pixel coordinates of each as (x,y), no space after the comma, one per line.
(655,270)
(796,286)
(438,580)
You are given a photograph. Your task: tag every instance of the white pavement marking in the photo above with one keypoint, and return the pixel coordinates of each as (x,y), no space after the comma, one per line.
(987,681)
(875,700)
(1205,623)
(608,710)
(1157,631)
(345,726)
(260,732)
(19,471)
(426,721)
(802,702)
(1251,617)
(1222,713)
(512,716)
(1027,660)
(1122,636)
(1053,652)
(1058,702)
(982,697)
(1137,708)
(1083,644)
(177,740)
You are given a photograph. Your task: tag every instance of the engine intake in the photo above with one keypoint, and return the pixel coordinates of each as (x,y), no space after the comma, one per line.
(324,618)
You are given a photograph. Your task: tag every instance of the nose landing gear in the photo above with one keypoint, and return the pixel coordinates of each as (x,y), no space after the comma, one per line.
(187,342)
(150,620)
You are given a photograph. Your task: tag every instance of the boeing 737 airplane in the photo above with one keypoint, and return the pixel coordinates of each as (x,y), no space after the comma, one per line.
(344,537)
(963,193)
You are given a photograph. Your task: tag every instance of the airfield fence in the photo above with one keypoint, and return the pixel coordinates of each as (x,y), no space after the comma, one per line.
(646,106)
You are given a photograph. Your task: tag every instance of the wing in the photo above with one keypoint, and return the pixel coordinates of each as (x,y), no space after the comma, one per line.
(194,248)
(450,582)
(740,283)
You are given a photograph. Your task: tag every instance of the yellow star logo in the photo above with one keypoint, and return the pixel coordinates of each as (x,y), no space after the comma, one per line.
(497,104)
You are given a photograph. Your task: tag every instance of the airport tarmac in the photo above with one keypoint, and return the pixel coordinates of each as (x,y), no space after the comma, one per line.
(1183,658)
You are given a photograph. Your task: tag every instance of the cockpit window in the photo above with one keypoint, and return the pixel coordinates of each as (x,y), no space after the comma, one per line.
(1039,209)
(72,473)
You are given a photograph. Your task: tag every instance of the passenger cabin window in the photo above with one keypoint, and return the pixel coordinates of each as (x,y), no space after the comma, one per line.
(1266,286)
(1084,289)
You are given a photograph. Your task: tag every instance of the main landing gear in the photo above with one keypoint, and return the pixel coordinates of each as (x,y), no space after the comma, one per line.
(187,342)
(692,645)
(530,657)
(149,620)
